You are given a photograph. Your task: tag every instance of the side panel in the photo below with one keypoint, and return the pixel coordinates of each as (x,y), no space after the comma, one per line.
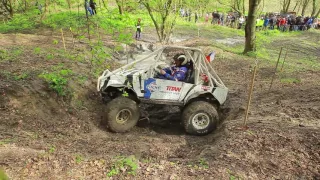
(160,89)
(186,89)
(220,94)
(197,91)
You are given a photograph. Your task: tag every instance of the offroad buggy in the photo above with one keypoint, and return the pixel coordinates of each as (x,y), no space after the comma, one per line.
(137,83)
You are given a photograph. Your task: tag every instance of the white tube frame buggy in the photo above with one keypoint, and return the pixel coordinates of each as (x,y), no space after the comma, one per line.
(136,83)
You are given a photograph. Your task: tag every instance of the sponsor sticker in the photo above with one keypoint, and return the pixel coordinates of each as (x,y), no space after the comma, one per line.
(153,87)
(173,89)
(205,88)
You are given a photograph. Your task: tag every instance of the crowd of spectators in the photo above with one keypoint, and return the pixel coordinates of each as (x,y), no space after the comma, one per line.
(287,23)
(282,22)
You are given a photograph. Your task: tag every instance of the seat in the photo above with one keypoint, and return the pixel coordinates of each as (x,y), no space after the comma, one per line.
(189,75)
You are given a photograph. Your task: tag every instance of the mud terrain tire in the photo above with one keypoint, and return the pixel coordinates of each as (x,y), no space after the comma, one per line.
(200,118)
(122,114)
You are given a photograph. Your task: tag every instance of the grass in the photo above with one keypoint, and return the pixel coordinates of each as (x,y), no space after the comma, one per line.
(11,54)
(3,175)
(5,141)
(290,80)
(124,164)
(21,22)
(58,80)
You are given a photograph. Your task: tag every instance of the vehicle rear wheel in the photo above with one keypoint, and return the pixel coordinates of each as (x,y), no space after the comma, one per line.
(122,114)
(200,118)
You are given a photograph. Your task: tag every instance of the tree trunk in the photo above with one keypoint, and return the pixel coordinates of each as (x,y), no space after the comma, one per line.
(243,8)
(69,5)
(45,9)
(305,4)
(25,6)
(285,6)
(153,20)
(317,14)
(297,3)
(104,4)
(163,27)
(7,4)
(314,8)
(250,28)
(120,7)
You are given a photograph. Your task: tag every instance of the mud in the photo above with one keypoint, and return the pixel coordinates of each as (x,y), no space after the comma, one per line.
(43,136)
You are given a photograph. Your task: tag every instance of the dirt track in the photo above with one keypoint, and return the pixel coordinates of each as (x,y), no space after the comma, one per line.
(45,137)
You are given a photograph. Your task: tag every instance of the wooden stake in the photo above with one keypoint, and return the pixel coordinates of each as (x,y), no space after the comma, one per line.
(73,41)
(127,54)
(250,95)
(64,44)
(285,56)
(275,71)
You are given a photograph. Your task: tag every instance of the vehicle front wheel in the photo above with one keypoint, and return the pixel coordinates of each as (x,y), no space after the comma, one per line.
(122,114)
(200,118)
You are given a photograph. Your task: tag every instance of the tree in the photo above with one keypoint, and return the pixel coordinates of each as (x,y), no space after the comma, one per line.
(315,12)
(235,5)
(250,34)
(285,5)
(305,4)
(8,5)
(196,5)
(46,6)
(126,5)
(298,4)
(120,6)
(163,16)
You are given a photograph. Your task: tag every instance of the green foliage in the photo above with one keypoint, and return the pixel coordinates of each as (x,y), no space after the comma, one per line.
(232,175)
(21,76)
(203,163)
(125,94)
(21,22)
(5,141)
(4,55)
(58,80)
(290,80)
(37,50)
(82,79)
(55,41)
(50,56)
(79,158)
(125,164)
(65,19)
(121,27)
(3,175)
(52,149)
(11,54)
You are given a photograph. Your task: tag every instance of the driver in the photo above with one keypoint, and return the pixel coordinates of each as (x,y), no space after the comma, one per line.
(176,72)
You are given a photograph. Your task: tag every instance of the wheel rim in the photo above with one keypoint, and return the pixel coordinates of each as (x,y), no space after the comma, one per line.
(201,121)
(123,116)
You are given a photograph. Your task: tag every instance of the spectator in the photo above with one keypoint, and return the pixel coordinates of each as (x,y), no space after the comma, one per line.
(241,21)
(271,22)
(88,8)
(195,17)
(93,7)
(138,32)
(207,18)
(222,19)
(233,21)
(309,23)
(265,23)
